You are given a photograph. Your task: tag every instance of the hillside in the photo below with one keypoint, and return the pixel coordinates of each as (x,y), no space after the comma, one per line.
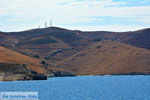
(39,66)
(55,44)
(11,72)
(52,44)
(9,56)
(56,51)
(139,38)
(109,57)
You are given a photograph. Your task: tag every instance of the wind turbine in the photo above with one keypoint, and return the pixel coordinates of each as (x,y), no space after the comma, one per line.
(39,26)
(50,22)
(45,24)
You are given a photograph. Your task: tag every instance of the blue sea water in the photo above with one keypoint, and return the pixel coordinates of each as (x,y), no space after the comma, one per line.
(85,88)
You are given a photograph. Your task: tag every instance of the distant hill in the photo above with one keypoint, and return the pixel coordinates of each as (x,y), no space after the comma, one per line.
(139,38)
(109,57)
(57,46)
(52,44)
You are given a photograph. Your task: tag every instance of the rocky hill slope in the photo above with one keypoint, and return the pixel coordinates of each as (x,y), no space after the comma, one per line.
(109,57)
(11,72)
(11,60)
(54,51)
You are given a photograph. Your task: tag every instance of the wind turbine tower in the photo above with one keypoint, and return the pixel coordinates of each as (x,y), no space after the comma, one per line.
(45,24)
(39,26)
(50,22)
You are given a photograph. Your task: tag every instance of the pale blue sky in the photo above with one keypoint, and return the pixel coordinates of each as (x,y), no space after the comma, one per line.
(109,15)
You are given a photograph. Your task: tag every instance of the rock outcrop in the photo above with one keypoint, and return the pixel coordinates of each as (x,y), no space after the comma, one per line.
(12,72)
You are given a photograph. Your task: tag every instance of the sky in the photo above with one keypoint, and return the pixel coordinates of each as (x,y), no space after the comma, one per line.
(85,15)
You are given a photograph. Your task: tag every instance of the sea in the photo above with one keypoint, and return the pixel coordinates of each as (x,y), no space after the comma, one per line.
(85,88)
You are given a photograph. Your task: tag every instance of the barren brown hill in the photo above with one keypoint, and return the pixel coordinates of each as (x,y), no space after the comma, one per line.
(78,51)
(109,57)
(55,44)
(12,57)
(52,44)
(139,38)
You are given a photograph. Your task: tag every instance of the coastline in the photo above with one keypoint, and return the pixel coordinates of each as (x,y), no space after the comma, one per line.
(42,77)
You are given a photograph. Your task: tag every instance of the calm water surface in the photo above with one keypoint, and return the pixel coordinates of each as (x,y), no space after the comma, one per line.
(85,88)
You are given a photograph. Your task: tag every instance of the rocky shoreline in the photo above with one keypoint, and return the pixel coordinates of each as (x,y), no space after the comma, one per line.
(19,72)
(13,72)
